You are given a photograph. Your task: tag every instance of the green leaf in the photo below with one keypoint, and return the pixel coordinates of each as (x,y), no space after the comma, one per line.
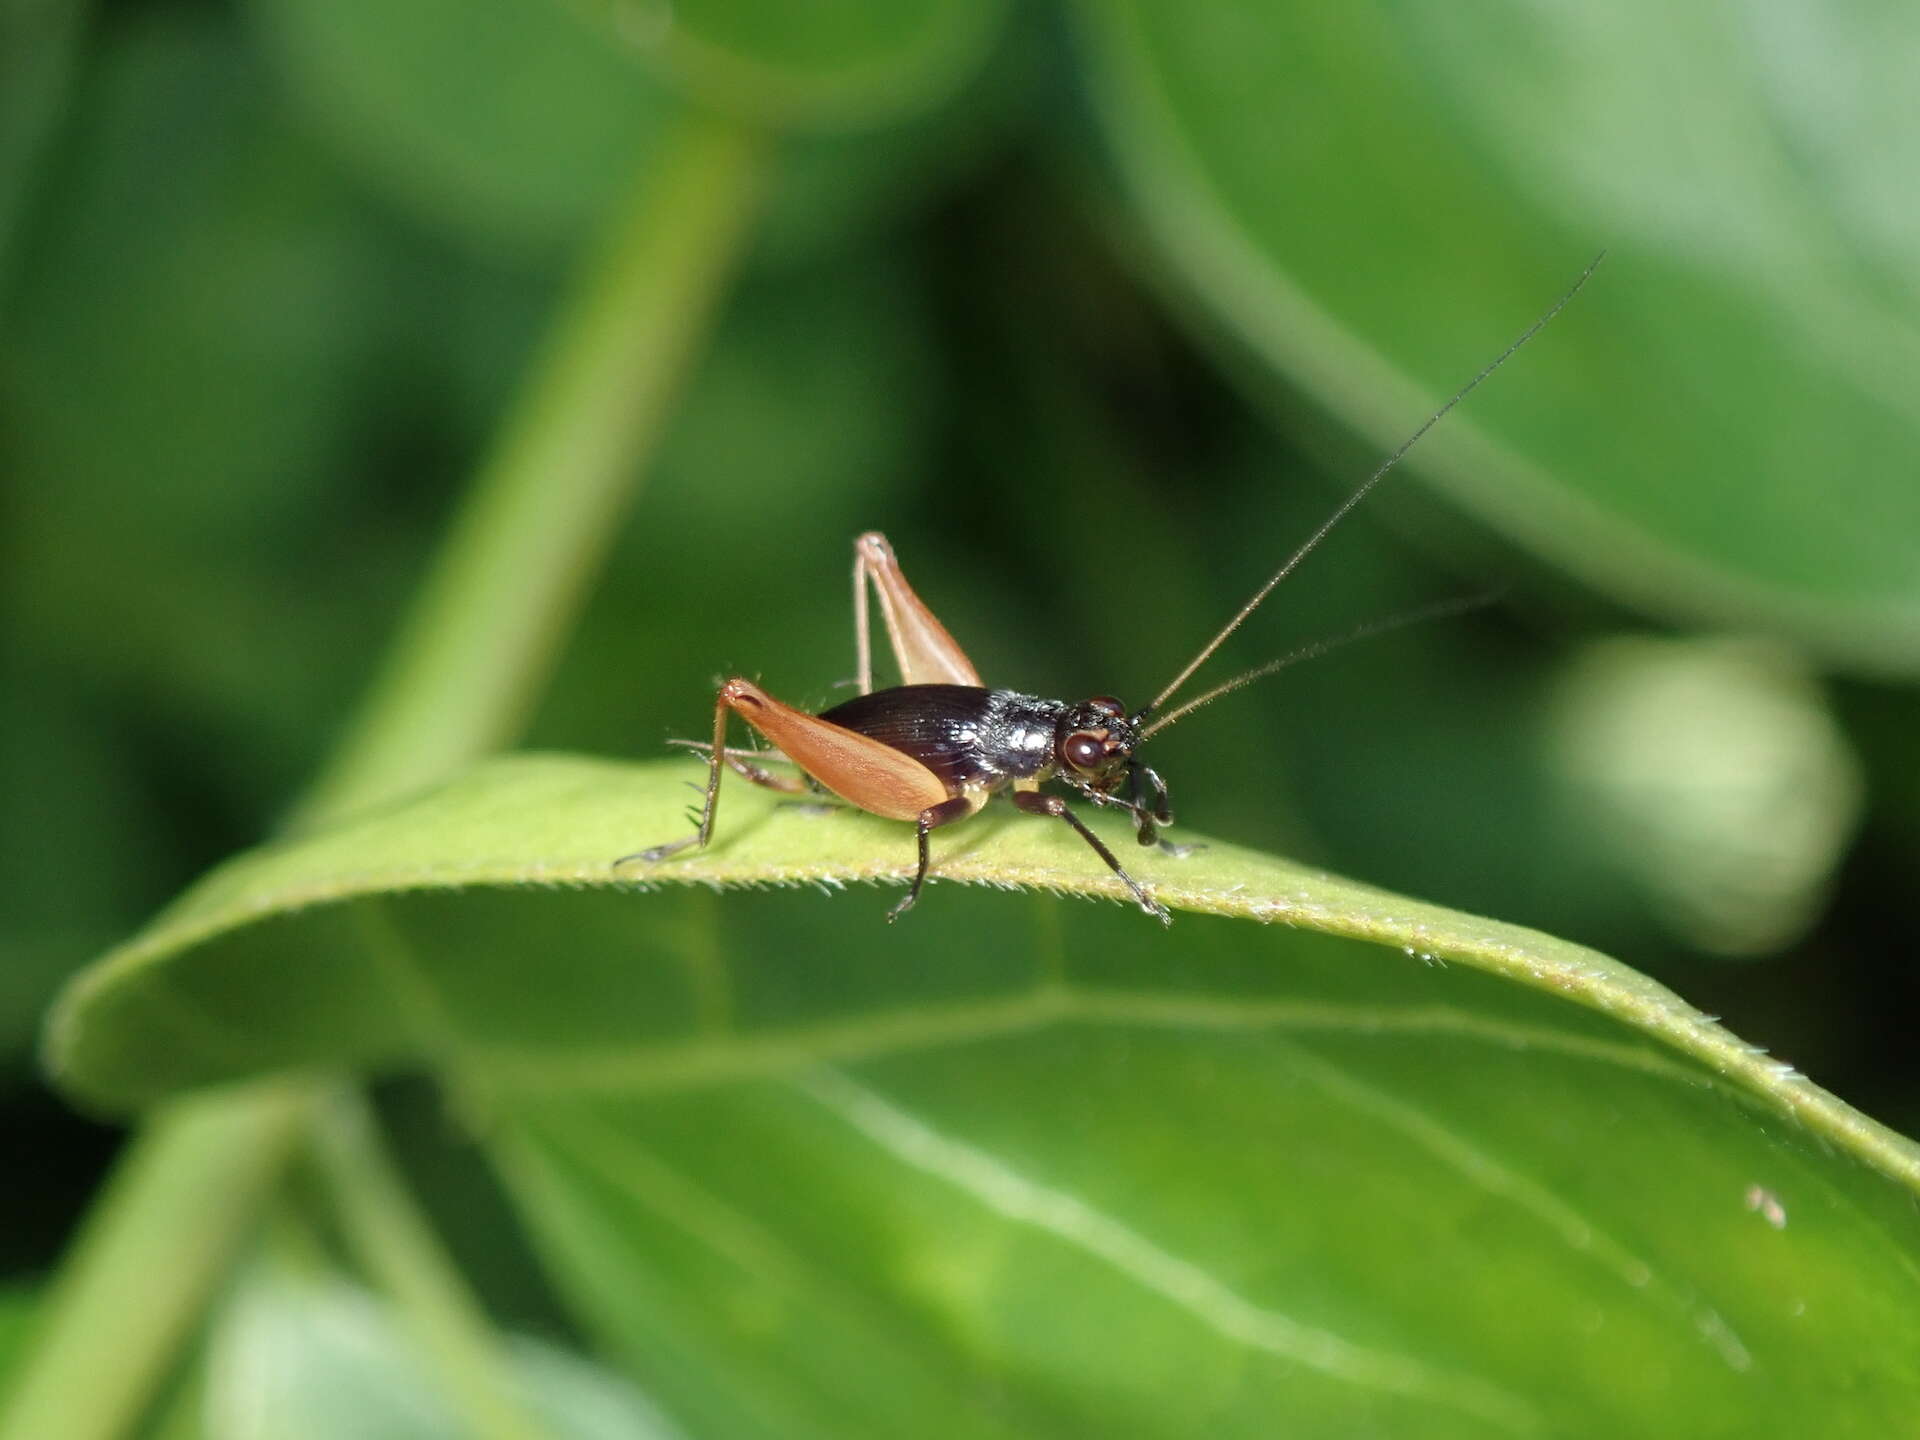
(510,123)
(1373,198)
(1047,1168)
(296,1356)
(827,64)
(516,127)
(39,40)
(18,1307)
(1715,777)
(179,447)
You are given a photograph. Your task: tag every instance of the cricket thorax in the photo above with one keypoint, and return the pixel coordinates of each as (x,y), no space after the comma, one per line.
(971,737)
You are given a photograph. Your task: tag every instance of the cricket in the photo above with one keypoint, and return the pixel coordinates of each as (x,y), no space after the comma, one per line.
(932,750)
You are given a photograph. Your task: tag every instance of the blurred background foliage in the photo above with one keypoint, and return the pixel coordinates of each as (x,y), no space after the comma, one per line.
(1096,311)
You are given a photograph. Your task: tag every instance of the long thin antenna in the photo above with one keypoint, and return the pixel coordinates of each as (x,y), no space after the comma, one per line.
(1436,611)
(1339,514)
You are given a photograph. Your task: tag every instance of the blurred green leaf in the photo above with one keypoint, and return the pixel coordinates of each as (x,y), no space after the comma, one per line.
(18,1305)
(184,207)
(511,124)
(827,64)
(514,129)
(1716,778)
(836,188)
(1885,724)
(1041,1168)
(185,376)
(39,44)
(1720,428)
(297,1356)
(71,837)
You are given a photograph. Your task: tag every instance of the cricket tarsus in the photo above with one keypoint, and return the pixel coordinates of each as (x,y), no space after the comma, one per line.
(931,750)
(657,852)
(929,820)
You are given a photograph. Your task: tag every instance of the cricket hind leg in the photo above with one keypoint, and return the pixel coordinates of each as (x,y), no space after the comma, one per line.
(922,648)
(746,764)
(931,819)
(723,704)
(859,769)
(1035,802)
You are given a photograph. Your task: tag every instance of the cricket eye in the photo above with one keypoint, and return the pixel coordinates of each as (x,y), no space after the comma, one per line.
(1083,750)
(1110,705)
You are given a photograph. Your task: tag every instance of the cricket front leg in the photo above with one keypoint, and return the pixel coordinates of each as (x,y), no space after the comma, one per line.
(1148,819)
(1035,802)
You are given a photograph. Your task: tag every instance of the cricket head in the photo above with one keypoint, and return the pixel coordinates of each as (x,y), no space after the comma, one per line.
(1094,744)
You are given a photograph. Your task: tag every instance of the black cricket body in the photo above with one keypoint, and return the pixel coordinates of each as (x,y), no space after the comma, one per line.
(989,738)
(965,734)
(931,750)
(974,738)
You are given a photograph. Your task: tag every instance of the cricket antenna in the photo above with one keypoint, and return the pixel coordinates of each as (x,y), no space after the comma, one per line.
(1439,610)
(1340,513)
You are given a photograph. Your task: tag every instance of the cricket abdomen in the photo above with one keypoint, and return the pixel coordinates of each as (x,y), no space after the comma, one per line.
(970,737)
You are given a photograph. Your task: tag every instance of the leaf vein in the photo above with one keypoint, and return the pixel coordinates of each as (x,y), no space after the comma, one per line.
(1004,1190)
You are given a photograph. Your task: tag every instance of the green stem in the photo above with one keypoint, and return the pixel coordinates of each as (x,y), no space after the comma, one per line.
(149,1256)
(463,672)
(397,1247)
(483,634)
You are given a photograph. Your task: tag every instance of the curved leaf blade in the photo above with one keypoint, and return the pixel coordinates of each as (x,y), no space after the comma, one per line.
(534,823)
(1048,1169)
(832,64)
(1710,432)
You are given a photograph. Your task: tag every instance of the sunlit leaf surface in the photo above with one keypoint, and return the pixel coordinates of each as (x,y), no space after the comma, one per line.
(1721,428)
(17,1307)
(311,1357)
(1038,1166)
